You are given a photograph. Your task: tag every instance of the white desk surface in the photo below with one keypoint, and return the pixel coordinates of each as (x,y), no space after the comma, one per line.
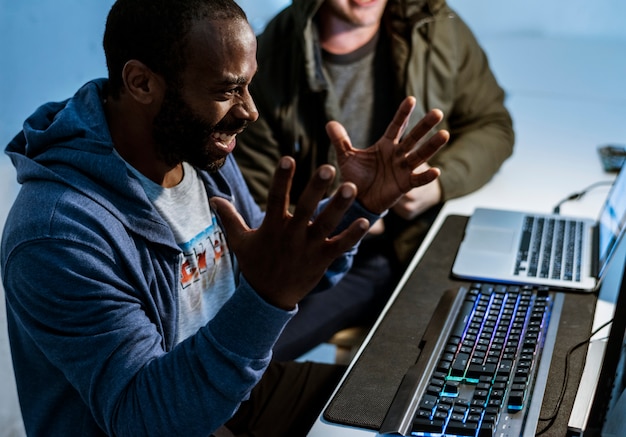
(566,96)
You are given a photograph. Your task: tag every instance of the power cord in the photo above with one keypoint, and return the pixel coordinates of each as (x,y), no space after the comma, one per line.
(579,195)
(550,419)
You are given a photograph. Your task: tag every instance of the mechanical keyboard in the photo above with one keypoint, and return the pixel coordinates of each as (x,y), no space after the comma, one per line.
(482,380)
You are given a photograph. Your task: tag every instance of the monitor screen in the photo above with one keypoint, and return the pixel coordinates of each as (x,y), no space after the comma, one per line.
(612,220)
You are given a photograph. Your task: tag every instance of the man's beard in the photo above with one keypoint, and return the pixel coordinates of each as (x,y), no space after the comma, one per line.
(180,135)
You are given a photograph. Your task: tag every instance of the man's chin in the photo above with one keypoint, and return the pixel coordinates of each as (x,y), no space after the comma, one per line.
(207,163)
(214,165)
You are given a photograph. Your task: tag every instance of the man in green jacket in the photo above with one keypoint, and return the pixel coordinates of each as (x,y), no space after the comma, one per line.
(354,61)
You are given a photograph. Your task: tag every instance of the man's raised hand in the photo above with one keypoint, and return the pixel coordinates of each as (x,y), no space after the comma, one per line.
(288,254)
(385,171)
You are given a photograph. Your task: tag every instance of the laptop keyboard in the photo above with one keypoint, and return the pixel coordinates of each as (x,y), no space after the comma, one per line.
(550,248)
(482,383)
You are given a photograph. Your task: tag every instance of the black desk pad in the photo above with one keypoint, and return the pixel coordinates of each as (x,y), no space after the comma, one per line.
(367,392)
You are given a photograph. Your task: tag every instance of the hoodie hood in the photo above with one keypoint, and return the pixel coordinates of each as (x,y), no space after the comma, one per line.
(69,143)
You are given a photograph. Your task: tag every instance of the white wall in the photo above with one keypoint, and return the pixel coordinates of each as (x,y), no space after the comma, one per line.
(48,48)
(551,18)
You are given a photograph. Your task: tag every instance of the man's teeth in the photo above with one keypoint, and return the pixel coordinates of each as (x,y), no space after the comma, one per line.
(223,137)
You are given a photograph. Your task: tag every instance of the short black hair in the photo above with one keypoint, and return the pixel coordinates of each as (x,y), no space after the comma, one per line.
(155,32)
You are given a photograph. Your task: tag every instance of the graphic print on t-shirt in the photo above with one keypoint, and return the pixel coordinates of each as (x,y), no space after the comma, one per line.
(201,256)
(207,279)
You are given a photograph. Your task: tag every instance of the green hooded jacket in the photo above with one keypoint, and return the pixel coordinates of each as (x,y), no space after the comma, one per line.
(435,58)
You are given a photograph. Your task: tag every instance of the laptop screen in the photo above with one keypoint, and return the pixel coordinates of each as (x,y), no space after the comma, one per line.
(611,221)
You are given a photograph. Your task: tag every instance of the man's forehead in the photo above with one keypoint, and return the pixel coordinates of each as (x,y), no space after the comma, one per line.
(224,32)
(227,47)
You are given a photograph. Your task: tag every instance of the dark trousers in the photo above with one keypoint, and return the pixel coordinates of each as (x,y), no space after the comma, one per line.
(355,301)
(287,400)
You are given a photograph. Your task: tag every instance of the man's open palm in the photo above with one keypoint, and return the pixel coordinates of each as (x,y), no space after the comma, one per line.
(385,171)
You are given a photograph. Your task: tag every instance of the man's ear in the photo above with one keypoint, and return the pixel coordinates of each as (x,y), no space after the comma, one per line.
(142,83)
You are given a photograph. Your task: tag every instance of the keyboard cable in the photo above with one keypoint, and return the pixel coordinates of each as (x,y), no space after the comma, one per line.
(579,195)
(551,418)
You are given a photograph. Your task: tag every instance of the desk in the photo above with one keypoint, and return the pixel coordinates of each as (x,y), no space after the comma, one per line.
(558,129)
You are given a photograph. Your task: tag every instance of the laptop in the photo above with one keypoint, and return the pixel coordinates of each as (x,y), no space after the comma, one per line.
(546,249)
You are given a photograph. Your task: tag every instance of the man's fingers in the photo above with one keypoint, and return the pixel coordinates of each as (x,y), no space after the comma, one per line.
(428,122)
(278,194)
(316,190)
(342,242)
(326,222)
(397,126)
(425,177)
(428,149)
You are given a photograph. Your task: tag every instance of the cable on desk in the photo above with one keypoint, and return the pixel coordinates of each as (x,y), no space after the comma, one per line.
(571,350)
(579,195)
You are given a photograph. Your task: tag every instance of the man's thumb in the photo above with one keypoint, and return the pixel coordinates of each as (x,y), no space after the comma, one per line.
(231,220)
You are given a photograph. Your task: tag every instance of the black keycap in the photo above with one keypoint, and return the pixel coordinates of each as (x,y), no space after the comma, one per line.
(463,429)
(425,425)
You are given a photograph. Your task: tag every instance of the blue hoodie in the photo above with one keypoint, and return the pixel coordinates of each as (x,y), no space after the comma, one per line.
(90,272)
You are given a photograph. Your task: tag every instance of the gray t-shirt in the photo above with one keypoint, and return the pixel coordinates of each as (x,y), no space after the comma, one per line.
(361,84)
(206,277)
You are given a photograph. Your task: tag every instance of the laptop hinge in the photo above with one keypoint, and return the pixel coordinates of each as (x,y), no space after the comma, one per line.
(595,251)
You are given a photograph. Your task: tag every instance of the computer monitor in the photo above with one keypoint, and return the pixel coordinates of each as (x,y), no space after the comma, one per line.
(600,405)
